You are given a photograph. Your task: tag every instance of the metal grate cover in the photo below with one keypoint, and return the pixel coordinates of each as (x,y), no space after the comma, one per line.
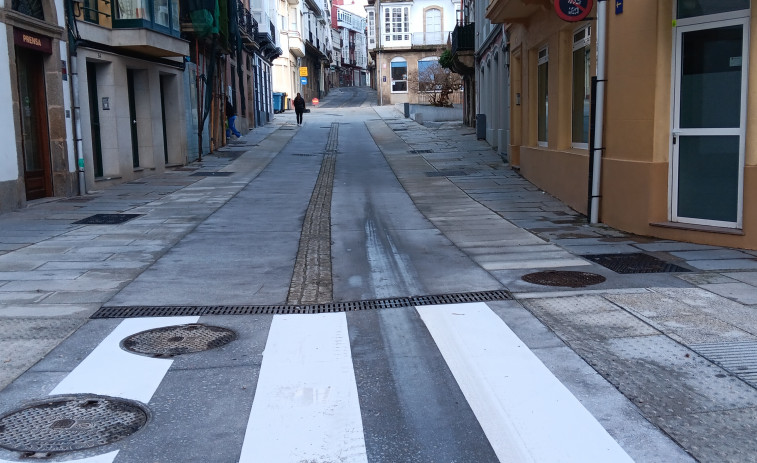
(170,341)
(421,151)
(739,358)
(564,278)
(637,262)
(65,424)
(211,174)
(373,304)
(107,219)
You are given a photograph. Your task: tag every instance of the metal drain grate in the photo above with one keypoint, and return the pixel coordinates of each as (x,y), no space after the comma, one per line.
(107,219)
(373,304)
(569,279)
(65,424)
(211,174)
(304,154)
(421,151)
(739,358)
(170,341)
(447,173)
(637,262)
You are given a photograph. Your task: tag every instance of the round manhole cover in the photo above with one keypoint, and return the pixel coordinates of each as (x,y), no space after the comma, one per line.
(170,341)
(65,424)
(564,278)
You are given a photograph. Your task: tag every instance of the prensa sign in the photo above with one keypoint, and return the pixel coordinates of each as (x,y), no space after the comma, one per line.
(33,41)
(573,10)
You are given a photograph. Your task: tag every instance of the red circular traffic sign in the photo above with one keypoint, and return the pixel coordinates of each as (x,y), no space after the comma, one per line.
(315,101)
(573,10)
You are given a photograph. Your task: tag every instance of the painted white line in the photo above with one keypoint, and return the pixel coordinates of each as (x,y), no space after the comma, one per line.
(112,371)
(306,405)
(104,458)
(526,413)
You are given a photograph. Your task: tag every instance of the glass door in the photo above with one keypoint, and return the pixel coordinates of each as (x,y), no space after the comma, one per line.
(709,123)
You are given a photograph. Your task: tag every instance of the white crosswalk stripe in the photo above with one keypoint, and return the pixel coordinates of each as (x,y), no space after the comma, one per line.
(306,405)
(527,414)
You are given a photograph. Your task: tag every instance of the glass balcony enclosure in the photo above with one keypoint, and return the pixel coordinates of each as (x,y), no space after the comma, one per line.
(158,15)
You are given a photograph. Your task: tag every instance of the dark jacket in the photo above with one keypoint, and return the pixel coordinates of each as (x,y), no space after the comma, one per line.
(299,104)
(230,109)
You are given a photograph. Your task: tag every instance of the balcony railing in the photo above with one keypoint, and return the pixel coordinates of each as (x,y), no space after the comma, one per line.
(463,38)
(416,39)
(248,26)
(429,38)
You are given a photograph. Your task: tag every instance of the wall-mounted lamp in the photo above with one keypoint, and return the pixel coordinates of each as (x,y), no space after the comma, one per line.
(77,6)
(517,99)
(106,103)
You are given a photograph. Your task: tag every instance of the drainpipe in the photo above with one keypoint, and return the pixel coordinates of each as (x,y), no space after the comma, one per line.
(598,134)
(73,41)
(78,146)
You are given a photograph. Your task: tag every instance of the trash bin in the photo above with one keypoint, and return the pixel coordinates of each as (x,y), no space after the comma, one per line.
(277,102)
(284,102)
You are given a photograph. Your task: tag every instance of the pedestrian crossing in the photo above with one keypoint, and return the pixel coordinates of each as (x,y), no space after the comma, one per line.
(433,384)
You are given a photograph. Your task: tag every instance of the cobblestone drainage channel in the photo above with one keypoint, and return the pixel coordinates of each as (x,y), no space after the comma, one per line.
(66,424)
(170,341)
(568,279)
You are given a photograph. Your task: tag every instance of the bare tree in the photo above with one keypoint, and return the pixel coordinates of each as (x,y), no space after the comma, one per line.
(436,83)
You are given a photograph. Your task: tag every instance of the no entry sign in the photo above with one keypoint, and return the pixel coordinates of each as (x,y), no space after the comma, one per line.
(573,10)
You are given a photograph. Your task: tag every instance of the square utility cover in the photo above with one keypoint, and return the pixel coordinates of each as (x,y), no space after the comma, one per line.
(107,219)
(637,262)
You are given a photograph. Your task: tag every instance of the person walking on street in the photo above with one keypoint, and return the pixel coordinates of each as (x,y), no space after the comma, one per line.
(232,117)
(299,107)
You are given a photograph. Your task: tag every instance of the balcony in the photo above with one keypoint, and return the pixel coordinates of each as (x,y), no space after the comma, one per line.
(414,40)
(145,27)
(248,26)
(514,11)
(296,45)
(463,49)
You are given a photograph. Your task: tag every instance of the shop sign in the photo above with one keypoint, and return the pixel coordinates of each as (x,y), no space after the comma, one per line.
(33,41)
(573,10)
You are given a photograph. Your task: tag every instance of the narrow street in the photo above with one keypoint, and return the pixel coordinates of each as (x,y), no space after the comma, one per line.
(363,288)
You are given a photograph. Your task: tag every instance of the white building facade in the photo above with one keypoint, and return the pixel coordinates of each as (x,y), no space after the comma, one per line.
(403,38)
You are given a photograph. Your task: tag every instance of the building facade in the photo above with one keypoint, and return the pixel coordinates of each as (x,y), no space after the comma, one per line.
(404,38)
(351,27)
(33,78)
(670,153)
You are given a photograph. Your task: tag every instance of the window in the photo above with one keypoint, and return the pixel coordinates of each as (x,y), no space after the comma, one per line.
(31,8)
(542,91)
(371,27)
(160,15)
(581,88)
(433,26)
(427,68)
(690,8)
(399,75)
(396,23)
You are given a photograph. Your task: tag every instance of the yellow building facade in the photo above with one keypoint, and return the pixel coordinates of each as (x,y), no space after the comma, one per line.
(679,141)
